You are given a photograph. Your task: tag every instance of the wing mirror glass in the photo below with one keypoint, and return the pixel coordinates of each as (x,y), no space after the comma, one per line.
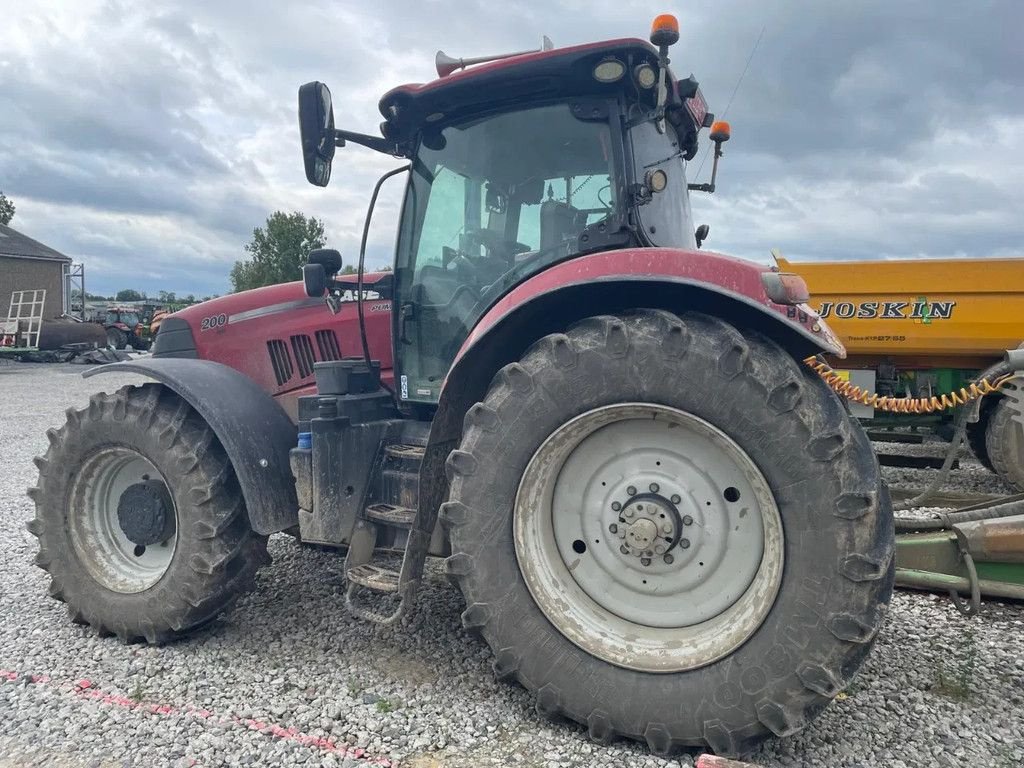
(316,129)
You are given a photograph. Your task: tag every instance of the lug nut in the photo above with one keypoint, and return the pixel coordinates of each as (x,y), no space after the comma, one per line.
(654,487)
(629,513)
(684,543)
(669,559)
(631,490)
(624,549)
(616,506)
(660,549)
(613,528)
(676,498)
(645,561)
(666,527)
(687,520)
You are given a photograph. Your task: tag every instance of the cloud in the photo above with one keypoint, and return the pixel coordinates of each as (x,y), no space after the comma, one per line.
(147,140)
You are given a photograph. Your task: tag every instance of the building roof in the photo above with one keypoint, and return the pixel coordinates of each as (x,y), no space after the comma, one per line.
(13,243)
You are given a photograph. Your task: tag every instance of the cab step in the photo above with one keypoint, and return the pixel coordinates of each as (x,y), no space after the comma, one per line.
(391,514)
(374,577)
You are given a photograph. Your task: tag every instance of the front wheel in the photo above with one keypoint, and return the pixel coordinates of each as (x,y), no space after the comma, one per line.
(670,531)
(140,520)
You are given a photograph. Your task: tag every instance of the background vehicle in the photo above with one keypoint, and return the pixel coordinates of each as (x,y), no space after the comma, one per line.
(924,328)
(124,328)
(662,522)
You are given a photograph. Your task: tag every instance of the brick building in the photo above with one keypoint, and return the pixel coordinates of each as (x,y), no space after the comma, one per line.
(27,264)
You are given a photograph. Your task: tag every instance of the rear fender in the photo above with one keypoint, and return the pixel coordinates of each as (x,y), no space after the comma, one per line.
(255,431)
(606,283)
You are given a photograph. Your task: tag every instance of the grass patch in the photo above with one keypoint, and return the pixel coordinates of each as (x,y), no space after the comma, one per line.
(384,706)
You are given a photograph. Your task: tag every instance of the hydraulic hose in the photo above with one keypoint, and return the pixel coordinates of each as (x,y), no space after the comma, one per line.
(947,520)
(974,391)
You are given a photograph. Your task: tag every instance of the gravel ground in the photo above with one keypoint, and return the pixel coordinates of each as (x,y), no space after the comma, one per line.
(287,678)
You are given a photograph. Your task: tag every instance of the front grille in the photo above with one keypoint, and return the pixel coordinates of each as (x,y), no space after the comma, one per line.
(302,347)
(280,360)
(327,345)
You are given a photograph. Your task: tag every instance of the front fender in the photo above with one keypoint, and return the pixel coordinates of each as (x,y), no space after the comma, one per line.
(255,431)
(731,278)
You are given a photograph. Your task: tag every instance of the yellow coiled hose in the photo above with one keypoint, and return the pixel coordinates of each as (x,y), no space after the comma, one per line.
(932,404)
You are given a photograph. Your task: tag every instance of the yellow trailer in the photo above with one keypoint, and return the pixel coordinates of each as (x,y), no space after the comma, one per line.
(928,313)
(923,327)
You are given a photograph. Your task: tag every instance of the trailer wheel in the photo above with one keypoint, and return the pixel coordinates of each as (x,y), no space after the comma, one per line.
(1004,442)
(669,531)
(140,520)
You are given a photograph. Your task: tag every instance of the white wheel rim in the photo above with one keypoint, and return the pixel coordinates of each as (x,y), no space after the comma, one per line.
(648,537)
(102,546)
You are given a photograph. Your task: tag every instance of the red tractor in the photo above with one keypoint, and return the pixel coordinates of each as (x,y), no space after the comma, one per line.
(662,523)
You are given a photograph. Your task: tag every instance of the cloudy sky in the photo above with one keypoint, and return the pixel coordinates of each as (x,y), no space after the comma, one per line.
(147,139)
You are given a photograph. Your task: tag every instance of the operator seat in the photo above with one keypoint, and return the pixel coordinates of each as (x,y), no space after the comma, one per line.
(560,222)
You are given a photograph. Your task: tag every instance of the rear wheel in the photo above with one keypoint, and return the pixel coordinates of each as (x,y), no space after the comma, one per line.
(140,520)
(117,338)
(669,531)
(1004,438)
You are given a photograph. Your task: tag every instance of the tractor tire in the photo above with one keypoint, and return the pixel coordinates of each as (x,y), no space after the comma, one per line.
(117,338)
(1004,442)
(140,519)
(729,424)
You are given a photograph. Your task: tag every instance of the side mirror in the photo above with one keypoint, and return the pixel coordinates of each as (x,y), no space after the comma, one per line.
(314,280)
(328,258)
(701,234)
(316,128)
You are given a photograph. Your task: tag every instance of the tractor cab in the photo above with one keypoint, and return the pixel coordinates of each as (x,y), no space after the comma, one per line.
(519,163)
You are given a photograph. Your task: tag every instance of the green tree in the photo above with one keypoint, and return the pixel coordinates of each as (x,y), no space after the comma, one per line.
(129,294)
(278,251)
(6,209)
(167,297)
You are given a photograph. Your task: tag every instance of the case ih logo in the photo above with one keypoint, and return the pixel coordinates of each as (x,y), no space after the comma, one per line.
(919,310)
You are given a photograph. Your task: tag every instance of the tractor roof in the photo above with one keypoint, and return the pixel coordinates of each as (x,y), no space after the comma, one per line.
(538,76)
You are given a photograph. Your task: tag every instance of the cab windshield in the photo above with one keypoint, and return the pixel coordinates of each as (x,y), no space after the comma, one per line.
(490,202)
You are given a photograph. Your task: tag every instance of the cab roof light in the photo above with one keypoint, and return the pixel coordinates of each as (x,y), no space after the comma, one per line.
(609,70)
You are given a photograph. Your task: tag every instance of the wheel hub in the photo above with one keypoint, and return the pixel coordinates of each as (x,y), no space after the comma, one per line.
(145,513)
(649,525)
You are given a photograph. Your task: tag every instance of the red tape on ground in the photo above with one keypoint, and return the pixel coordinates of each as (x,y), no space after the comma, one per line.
(86,689)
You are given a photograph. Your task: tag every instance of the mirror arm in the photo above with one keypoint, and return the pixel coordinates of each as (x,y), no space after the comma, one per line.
(373,142)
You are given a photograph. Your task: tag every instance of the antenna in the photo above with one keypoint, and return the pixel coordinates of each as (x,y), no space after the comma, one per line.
(731,97)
